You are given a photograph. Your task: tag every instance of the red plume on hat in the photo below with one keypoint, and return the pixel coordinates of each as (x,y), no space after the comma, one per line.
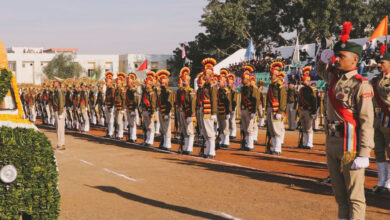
(347,27)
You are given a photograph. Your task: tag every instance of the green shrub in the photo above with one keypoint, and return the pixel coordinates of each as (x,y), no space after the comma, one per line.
(34,191)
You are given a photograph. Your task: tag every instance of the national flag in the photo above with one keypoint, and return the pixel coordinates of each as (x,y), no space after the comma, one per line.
(296,52)
(250,50)
(381,30)
(143,66)
(183,51)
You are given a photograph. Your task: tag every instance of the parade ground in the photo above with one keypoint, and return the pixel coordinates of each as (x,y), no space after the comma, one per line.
(101,178)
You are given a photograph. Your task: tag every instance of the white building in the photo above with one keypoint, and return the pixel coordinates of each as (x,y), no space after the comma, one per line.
(131,62)
(27,63)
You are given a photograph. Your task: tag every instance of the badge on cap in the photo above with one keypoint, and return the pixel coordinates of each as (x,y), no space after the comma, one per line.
(342,45)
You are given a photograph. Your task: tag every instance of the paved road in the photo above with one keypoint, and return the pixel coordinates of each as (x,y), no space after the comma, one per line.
(104,179)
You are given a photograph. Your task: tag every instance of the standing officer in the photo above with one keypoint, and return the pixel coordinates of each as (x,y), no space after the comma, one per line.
(165,102)
(187,104)
(381,85)
(276,107)
(233,106)
(148,106)
(307,109)
(132,105)
(59,111)
(68,103)
(109,105)
(99,108)
(199,108)
(84,105)
(92,102)
(209,105)
(120,103)
(76,103)
(350,115)
(224,110)
(249,103)
(291,106)
(260,85)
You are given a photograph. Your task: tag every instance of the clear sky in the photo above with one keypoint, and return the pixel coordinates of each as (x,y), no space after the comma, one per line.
(101,27)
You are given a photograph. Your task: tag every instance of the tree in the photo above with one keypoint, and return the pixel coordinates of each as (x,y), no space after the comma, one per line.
(63,66)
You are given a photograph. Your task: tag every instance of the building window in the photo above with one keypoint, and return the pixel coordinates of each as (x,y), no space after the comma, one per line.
(12,66)
(90,72)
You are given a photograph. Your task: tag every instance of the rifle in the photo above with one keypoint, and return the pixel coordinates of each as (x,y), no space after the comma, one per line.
(218,139)
(268,141)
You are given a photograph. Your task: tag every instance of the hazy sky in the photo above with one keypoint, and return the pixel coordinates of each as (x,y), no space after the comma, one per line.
(101,27)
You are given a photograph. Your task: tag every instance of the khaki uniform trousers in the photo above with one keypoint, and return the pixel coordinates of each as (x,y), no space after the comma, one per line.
(131,117)
(60,128)
(85,127)
(291,116)
(165,127)
(348,185)
(209,132)
(382,142)
(224,130)
(148,121)
(119,121)
(276,129)
(248,126)
(307,127)
(110,120)
(233,124)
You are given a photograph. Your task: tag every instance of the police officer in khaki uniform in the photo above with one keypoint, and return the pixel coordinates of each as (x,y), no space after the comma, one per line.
(148,106)
(76,105)
(120,103)
(224,110)
(109,105)
(209,106)
(59,111)
(307,109)
(165,102)
(261,107)
(381,86)
(187,113)
(132,101)
(68,103)
(350,116)
(233,106)
(249,103)
(83,106)
(99,108)
(292,100)
(276,107)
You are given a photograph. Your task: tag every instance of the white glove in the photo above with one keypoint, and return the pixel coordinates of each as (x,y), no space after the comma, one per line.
(213,117)
(227,116)
(60,117)
(360,163)
(278,116)
(86,109)
(166,117)
(189,120)
(123,111)
(111,110)
(313,115)
(326,55)
(253,115)
(132,113)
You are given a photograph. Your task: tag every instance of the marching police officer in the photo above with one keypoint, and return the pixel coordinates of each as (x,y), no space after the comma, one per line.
(132,101)
(165,102)
(119,103)
(109,105)
(148,106)
(292,99)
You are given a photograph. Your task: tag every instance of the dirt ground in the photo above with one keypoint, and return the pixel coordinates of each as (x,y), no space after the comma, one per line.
(108,179)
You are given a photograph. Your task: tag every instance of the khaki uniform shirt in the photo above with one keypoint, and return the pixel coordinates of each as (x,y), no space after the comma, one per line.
(359,103)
